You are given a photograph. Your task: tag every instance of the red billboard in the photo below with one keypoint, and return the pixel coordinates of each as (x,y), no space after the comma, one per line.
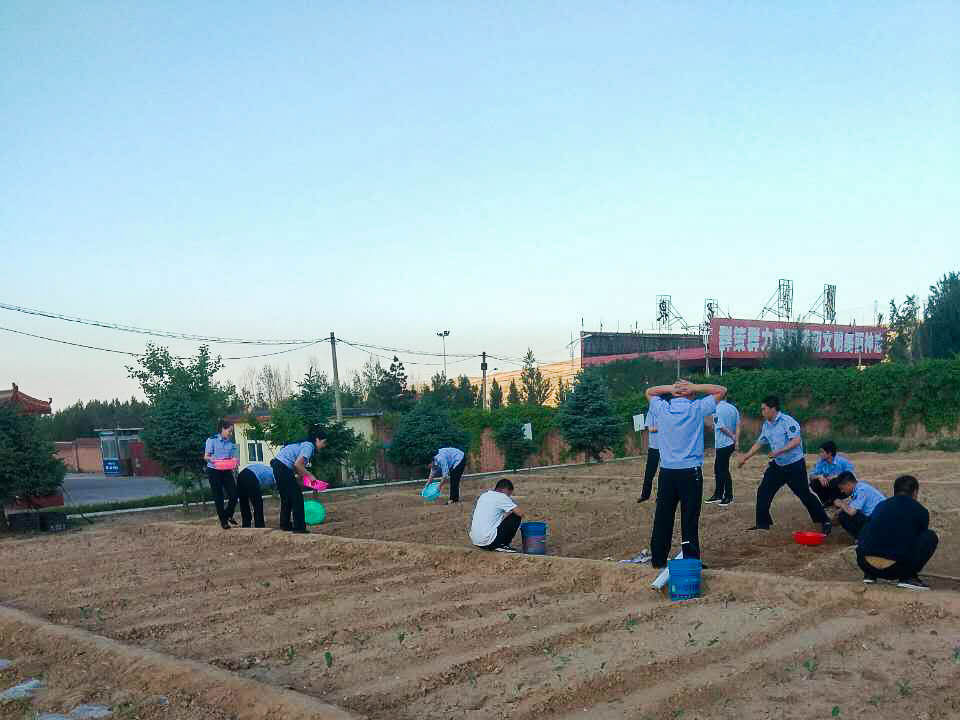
(754,338)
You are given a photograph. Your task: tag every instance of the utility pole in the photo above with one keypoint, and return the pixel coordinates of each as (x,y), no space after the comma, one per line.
(483,392)
(443,334)
(336,377)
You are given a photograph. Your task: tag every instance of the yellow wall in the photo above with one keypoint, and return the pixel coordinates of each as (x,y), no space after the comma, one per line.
(360,425)
(554,372)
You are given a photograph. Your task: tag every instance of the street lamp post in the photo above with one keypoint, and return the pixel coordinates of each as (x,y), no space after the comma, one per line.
(443,337)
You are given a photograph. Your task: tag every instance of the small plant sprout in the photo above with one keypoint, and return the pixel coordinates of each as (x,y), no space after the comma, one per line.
(328,658)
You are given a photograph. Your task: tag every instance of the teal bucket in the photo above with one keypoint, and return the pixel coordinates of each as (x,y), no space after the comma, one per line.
(534,536)
(684,578)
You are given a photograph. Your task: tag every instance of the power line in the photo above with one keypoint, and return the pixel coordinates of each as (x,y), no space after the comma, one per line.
(174,335)
(133,354)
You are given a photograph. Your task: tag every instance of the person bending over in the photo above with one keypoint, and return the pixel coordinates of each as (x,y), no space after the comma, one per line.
(250,483)
(449,464)
(828,469)
(496,519)
(289,468)
(859,501)
(897,542)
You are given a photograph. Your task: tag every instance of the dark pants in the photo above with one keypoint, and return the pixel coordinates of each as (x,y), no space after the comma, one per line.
(650,472)
(721,472)
(221,483)
(910,565)
(291,497)
(826,494)
(794,476)
(455,474)
(248,492)
(505,532)
(684,487)
(853,524)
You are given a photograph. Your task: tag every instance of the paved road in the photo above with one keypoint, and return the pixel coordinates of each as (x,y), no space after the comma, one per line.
(84,488)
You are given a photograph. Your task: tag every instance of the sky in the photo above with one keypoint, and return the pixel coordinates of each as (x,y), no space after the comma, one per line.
(504,171)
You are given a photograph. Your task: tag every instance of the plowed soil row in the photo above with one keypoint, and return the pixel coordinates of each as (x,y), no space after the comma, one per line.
(434,629)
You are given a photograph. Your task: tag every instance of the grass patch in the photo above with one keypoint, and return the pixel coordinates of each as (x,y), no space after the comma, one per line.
(149,502)
(854,444)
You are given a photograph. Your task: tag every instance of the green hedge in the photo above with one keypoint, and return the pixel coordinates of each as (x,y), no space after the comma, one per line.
(475,421)
(884,399)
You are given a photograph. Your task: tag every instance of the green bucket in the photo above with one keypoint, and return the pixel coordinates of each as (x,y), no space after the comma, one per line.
(314,512)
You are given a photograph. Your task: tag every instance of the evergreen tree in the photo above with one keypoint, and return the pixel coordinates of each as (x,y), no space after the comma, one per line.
(939,335)
(902,333)
(587,419)
(513,394)
(29,465)
(496,395)
(560,394)
(465,395)
(536,388)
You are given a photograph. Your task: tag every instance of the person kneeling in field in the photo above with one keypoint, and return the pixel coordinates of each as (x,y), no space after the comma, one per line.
(898,541)
(828,469)
(859,501)
(496,519)
(250,483)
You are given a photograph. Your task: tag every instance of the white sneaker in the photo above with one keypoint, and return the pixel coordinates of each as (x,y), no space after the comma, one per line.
(506,549)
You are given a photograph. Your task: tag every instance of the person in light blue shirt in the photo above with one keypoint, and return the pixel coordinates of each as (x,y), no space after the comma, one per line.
(250,483)
(680,429)
(787,466)
(222,447)
(289,468)
(726,434)
(826,471)
(862,499)
(653,452)
(449,464)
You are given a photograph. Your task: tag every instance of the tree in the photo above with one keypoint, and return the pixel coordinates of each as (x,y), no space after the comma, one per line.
(516,448)
(266,387)
(440,392)
(361,459)
(464,395)
(792,352)
(29,465)
(560,394)
(496,395)
(536,388)
(185,404)
(390,391)
(902,332)
(422,432)
(513,394)
(587,419)
(82,418)
(939,335)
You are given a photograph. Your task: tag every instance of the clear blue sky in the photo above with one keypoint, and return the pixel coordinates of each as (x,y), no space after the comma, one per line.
(501,170)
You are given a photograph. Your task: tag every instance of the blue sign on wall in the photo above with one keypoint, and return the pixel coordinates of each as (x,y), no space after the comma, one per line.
(111,467)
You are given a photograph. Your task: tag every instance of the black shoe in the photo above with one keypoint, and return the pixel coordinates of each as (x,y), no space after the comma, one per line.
(232,521)
(301,532)
(225,526)
(869,580)
(726,501)
(506,549)
(713,499)
(913,583)
(827,528)
(643,498)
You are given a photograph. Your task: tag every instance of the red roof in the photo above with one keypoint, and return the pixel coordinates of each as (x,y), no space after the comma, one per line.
(28,404)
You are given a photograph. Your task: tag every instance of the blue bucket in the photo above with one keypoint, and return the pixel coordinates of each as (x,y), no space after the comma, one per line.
(684,578)
(534,536)
(431,491)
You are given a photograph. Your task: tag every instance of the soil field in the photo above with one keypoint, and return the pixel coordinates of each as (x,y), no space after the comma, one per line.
(412,623)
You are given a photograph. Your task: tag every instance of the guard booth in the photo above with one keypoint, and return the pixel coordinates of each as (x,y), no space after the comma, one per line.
(115,450)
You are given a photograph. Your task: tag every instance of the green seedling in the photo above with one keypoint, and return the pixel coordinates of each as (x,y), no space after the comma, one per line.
(400,636)
(290,653)
(419,628)
(603,665)
(328,658)
(632,623)
(835,712)
(810,665)
(265,583)
(875,700)
(903,687)
(511,616)
(690,639)
(714,641)
(472,677)
(956,654)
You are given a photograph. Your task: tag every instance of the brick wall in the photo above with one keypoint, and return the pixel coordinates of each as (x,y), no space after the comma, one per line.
(81,455)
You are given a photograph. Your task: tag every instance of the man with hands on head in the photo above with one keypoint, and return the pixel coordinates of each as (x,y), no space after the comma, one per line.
(680,428)
(787,465)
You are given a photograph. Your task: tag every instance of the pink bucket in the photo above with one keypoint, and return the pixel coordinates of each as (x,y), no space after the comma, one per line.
(311,482)
(225,464)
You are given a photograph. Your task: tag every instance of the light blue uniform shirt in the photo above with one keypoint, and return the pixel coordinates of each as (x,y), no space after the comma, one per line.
(777,433)
(447,459)
(291,453)
(653,437)
(264,474)
(865,498)
(726,416)
(219,448)
(825,468)
(680,426)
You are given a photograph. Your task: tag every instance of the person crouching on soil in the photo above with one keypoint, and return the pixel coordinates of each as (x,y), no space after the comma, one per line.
(859,500)
(496,519)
